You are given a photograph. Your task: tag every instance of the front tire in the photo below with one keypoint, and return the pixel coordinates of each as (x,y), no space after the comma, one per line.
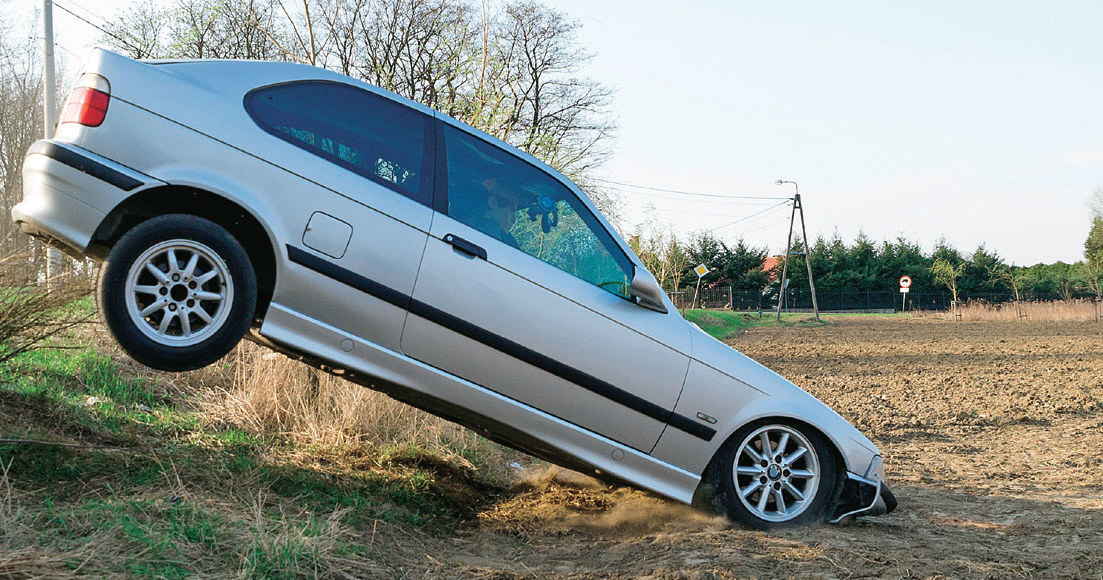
(177,292)
(773,474)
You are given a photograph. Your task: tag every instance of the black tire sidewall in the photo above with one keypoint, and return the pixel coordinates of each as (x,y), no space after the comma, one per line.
(721,493)
(111,292)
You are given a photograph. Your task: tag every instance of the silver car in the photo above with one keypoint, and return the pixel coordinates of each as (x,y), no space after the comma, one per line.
(372,236)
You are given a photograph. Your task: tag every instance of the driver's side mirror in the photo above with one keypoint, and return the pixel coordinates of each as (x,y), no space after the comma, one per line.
(647,293)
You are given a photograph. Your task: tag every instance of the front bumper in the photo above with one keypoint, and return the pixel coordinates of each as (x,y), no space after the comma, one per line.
(864,496)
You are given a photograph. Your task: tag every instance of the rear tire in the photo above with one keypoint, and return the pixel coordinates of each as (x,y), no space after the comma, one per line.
(772,474)
(177,291)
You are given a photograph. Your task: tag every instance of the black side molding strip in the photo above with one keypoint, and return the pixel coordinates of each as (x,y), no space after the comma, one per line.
(565,372)
(84,164)
(346,276)
(501,344)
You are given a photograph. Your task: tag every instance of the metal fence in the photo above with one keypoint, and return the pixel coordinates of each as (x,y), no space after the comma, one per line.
(868,301)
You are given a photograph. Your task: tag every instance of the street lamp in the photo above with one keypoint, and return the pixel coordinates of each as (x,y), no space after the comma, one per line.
(784,181)
(788,246)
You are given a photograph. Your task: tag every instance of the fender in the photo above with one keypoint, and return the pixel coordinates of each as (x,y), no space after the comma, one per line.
(184,175)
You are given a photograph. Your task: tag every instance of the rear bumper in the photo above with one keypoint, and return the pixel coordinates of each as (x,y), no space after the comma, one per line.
(68,191)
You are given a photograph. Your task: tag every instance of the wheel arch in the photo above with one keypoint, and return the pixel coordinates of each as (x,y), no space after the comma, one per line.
(840,460)
(246,227)
(854,451)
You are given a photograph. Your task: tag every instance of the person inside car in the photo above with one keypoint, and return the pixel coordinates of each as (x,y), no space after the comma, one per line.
(498,212)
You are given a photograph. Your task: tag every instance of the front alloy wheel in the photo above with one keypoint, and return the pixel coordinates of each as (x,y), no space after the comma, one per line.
(177,292)
(771,474)
(776,472)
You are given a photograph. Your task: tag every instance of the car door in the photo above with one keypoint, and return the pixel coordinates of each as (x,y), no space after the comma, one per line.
(523,290)
(358,206)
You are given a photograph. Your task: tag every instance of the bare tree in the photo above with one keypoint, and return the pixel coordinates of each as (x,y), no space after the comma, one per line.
(1096,202)
(140,32)
(420,49)
(1013,278)
(20,126)
(341,22)
(555,114)
(1093,279)
(658,247)
(947,274)
(248,29)
(513,72)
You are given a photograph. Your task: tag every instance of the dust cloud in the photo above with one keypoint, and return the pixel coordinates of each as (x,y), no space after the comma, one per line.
(565,500)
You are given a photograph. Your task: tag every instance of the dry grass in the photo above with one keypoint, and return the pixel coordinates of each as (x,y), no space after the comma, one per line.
(257,466)
(267,393)
(18,553)
(31,312)
(1053,311)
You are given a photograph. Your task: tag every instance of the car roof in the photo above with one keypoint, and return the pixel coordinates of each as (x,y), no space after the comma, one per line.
(242,76)
(238,77)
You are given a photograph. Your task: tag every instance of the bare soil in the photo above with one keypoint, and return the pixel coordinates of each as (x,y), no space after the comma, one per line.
(992,435)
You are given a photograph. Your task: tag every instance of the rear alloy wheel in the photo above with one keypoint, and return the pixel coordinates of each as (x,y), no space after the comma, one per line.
(773,474)
(178,292)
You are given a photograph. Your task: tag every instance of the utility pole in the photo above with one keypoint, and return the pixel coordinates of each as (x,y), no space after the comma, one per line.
(783,287)
(788,247)
(54,258)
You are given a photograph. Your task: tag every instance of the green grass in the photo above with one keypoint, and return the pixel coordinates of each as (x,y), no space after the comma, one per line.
(155,531)
(725,324)
(156,490)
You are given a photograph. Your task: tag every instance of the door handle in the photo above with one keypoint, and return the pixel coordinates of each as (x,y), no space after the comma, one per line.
(465,247)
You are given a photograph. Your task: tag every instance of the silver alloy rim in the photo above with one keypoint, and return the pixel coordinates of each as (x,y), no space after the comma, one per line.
(776,473)
(179,292)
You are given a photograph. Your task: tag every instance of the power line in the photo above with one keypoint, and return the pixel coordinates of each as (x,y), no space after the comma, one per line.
(56,45)
(690,200)
(763,221)
(762,218)
(649,206)
(679,192)
(87,12)
(786,202)
(100,28)
(768,223)
(71,53)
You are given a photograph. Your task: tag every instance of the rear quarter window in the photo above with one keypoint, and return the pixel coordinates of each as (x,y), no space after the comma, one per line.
(371,135)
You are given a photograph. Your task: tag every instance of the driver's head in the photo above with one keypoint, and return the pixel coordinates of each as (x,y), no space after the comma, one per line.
(501,204)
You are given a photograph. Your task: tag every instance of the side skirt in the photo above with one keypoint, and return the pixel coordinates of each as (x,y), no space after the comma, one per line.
(498,417)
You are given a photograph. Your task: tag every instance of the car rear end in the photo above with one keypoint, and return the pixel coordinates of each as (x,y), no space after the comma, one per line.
(69,189)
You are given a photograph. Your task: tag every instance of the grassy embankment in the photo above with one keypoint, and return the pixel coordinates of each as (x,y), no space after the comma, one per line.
(113,470)
(726,325)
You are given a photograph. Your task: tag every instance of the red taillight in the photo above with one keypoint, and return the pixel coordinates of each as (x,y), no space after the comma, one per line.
(87,104)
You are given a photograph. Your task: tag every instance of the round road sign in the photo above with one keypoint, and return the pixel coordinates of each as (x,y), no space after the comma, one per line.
(905,281)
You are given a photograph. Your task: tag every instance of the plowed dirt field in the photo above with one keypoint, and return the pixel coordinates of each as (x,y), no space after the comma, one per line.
(992,435)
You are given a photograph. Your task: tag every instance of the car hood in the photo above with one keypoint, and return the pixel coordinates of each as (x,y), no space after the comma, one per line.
(742,368)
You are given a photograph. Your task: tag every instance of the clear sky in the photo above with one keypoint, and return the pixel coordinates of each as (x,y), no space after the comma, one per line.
(977,121)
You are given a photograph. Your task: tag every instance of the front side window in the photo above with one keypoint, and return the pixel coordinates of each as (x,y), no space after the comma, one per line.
(360,131)
(509,199)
